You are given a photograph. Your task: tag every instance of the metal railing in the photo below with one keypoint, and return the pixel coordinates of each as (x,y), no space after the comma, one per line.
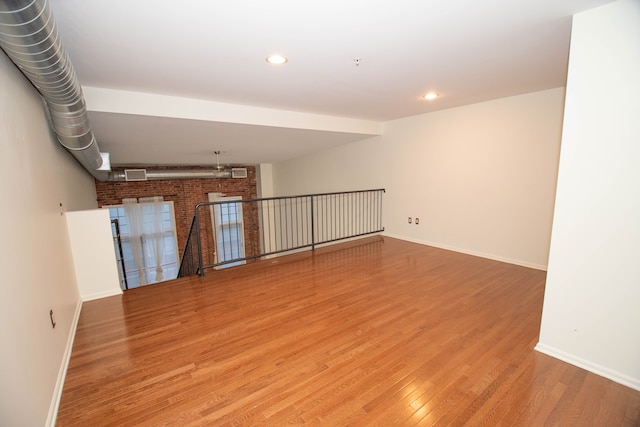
(189,262)
(117,240)
(232,232)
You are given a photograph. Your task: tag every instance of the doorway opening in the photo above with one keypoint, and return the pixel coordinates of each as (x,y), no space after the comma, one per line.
(228,230)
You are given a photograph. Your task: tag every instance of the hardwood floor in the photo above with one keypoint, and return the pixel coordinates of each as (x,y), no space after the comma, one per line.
(375,333)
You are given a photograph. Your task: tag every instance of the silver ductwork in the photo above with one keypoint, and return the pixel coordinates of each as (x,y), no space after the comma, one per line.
(159,174)
(29,36)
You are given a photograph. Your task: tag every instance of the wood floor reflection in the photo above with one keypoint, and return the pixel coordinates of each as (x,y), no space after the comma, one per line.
(374,333)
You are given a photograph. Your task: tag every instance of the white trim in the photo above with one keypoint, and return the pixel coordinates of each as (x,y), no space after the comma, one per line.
(99,295)
(62,373)
(600,370)
(474,253)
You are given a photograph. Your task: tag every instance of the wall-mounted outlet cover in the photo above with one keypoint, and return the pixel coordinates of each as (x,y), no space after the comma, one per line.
(409,220)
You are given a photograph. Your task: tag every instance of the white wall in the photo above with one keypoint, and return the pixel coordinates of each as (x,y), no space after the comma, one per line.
(35,258)
(591,314)
(355,166)
(481,178)
(93,253)
(264,178)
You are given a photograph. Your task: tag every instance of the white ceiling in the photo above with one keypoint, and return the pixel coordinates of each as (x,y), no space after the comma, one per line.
(170,82)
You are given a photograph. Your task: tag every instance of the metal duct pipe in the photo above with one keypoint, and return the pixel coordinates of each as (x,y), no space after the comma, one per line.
(151,175)
(29,36)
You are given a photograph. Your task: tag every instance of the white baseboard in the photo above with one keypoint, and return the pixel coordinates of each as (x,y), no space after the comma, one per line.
(99,295)
(474,253)
(62,373)
(602,371)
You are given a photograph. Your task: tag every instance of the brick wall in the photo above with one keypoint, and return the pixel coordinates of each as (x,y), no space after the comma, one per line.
(185,194)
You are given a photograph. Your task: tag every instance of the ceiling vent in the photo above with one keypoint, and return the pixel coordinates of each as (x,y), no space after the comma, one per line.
(135,174)
(238,172)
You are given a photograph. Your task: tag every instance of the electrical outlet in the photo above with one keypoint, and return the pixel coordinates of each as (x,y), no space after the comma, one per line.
(417,221)
(409,220)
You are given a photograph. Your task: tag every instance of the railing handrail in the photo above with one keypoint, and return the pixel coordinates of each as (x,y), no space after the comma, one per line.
(260,199)
(321,218)
(186,248)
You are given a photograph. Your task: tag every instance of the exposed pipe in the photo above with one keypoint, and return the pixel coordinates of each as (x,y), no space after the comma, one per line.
(29,36)
(152,175)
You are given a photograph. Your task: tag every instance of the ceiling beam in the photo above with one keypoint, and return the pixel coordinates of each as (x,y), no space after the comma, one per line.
(145,104)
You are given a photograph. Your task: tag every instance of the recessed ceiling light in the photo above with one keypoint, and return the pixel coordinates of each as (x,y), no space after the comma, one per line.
(276,59)
(431,96)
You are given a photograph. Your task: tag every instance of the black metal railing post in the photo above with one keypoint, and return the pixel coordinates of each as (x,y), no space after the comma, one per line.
(118,238)
(313,229)
(200,270)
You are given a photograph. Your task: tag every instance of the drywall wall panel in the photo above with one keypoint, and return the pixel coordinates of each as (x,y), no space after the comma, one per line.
(93,253)
(355,166)
(40,180)
(591,316)
(480,178)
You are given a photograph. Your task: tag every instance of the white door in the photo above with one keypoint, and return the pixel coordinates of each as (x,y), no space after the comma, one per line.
(228,229)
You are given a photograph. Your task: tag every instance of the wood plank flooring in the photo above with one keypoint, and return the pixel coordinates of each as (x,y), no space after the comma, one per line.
(374,333)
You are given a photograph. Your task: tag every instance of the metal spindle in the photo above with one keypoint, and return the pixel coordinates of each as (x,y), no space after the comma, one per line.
(286,223)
